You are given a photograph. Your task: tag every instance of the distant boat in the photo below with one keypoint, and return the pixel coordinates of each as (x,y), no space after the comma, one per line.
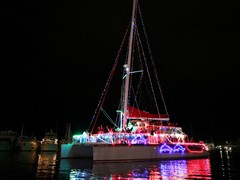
(26,143)
(8,140)
(49,142)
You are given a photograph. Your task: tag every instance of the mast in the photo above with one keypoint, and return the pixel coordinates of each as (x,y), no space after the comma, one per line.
(22,129)
(128,66)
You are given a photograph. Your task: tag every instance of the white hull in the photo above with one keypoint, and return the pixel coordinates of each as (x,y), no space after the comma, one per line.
(76,150)
(49,147)
(138,153)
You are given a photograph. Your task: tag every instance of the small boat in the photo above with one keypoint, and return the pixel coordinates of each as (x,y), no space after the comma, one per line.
(49,142)
(26,143)
(8,140)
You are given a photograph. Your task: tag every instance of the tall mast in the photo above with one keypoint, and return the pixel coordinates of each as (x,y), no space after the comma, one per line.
(128,66)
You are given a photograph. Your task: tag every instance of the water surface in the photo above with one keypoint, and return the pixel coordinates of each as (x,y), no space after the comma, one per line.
(222,164)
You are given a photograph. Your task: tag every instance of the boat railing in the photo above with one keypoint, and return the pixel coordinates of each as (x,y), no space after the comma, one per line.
(49,141)
(131,138)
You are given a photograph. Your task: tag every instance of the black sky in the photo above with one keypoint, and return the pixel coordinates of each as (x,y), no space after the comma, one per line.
(57,55)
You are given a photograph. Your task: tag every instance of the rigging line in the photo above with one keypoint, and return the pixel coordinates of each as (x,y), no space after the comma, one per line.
(147,69)
(104,93)
(151,57)
(141,49)
(141,56)
(136,44)
(141,76)
(132,62)
(108,117)
(120,108)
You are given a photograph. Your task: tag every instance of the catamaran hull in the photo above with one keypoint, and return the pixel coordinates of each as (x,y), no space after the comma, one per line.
(76,150)
(139,152)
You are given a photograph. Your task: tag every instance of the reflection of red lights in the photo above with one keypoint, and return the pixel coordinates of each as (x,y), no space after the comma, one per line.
(167,169)
(199,168)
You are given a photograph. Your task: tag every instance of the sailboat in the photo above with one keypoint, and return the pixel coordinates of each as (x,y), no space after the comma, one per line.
(27,143)
(144,135)
(142,130)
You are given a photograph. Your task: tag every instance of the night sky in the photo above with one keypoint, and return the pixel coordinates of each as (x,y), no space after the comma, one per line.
(57,55)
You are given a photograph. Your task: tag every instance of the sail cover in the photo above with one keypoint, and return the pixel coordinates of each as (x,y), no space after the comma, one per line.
(134,113)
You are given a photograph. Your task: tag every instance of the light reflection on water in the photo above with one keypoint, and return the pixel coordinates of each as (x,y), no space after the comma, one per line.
(226,163)
(167,169)
(47,164)
(222,164)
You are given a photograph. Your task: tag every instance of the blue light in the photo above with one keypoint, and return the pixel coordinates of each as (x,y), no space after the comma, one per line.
(168,149)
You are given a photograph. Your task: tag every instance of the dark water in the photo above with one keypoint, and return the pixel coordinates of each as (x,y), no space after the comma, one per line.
(222,164)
